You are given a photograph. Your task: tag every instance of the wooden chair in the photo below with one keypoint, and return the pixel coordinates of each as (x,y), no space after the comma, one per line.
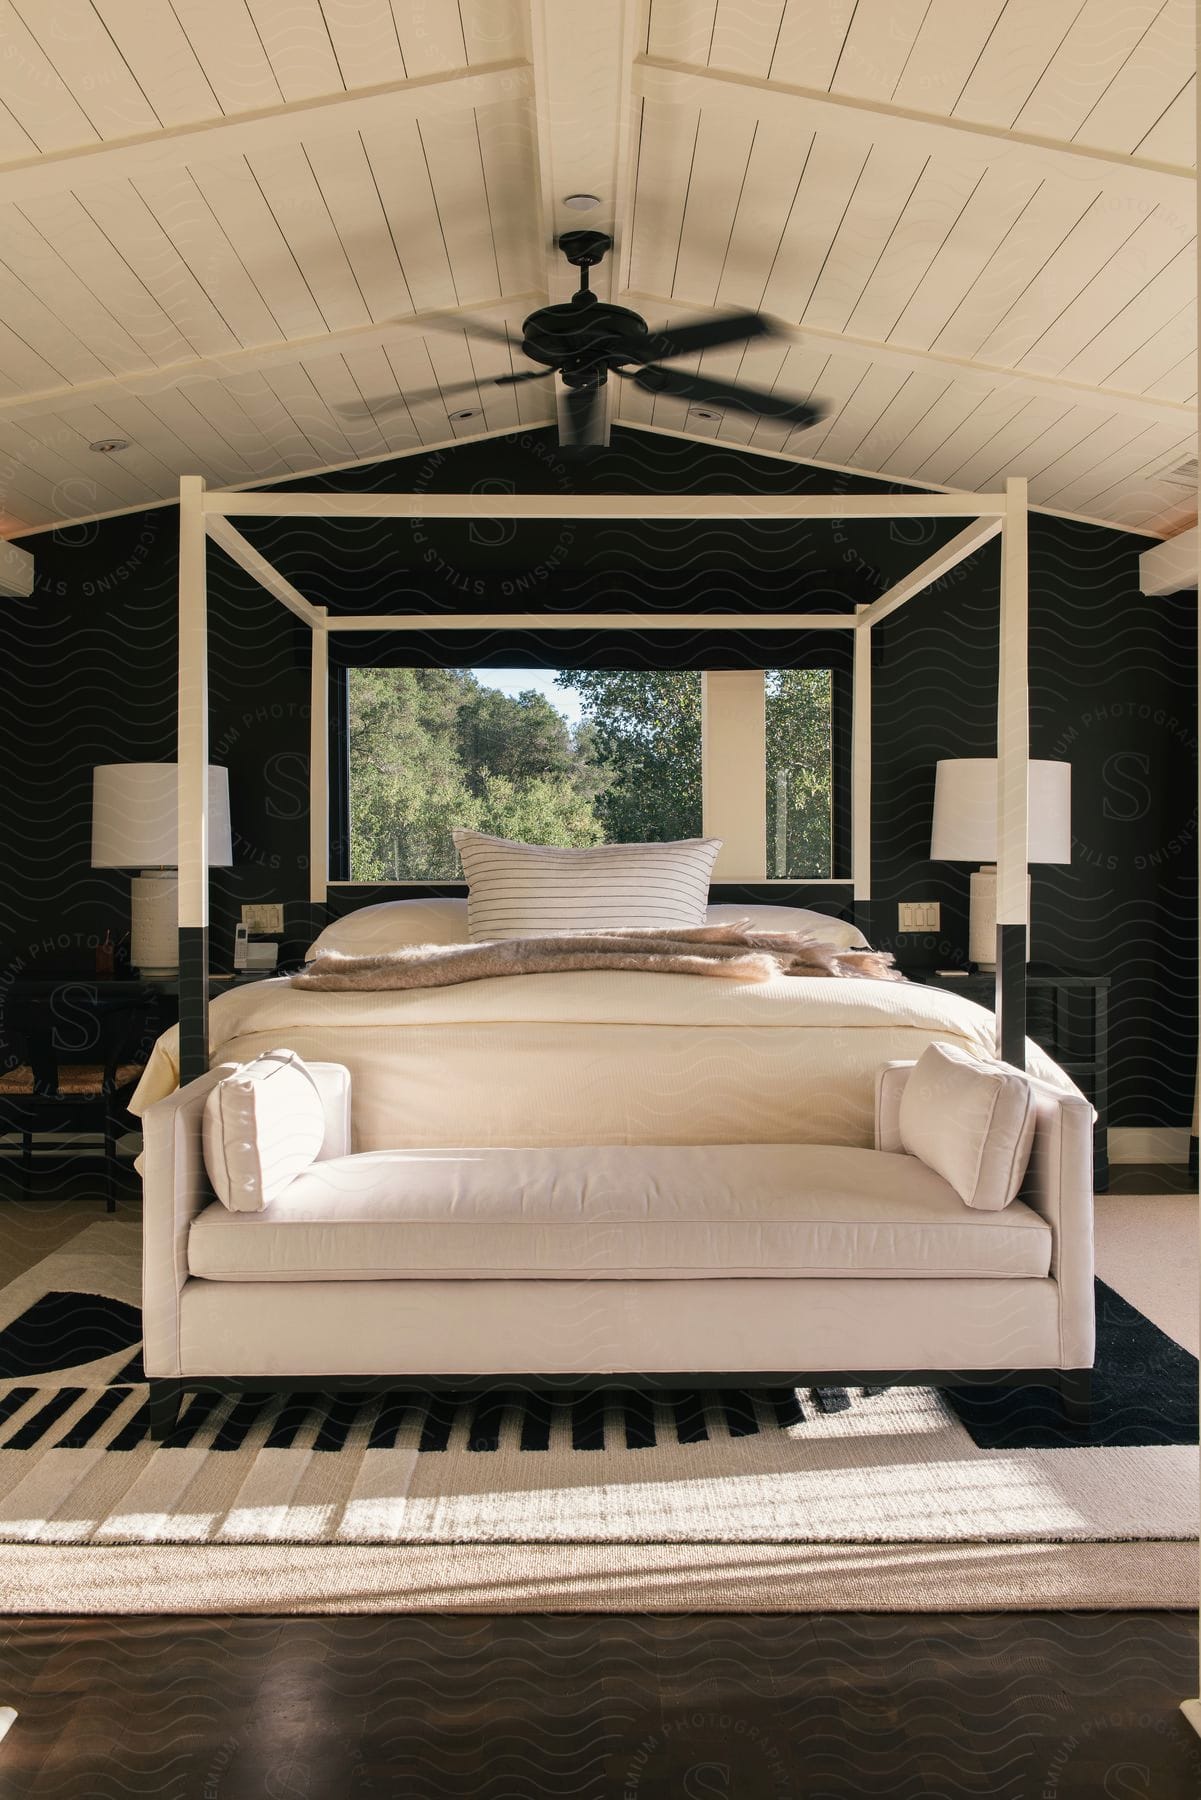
(85,1050)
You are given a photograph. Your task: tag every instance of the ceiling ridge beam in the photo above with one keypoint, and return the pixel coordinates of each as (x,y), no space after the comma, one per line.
(280,353)
(684,84)
(989,376)
(241,134)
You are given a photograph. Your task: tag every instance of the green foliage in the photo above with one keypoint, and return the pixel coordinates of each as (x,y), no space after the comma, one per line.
(799,772)
(431,749)
(644,735)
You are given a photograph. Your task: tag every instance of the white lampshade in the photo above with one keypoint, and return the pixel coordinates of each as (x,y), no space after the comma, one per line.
(134,822)
(965,811)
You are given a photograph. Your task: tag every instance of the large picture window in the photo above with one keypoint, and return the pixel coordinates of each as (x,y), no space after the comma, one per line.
(573,757)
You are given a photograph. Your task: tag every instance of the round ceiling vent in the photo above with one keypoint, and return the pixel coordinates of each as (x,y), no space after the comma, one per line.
(109,446)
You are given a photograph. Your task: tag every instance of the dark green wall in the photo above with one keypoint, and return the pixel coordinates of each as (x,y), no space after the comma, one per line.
(91,667)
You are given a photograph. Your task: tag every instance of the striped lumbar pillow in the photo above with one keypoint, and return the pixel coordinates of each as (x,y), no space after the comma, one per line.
(527,890)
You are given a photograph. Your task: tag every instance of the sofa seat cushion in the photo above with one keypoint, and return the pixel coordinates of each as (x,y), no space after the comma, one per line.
(618,1213)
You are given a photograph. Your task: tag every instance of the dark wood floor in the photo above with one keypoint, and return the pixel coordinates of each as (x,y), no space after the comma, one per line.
(1056,1706)
(1060,1706)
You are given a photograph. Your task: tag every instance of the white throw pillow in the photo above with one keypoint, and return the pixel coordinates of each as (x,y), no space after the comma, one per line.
(790,918)
(264,1124)
(971,1122)
(393,923)
(529,890)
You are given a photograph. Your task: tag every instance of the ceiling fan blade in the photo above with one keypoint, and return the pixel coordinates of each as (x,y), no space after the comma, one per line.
(391,402)
(582,419)
(728,396)
(707,334)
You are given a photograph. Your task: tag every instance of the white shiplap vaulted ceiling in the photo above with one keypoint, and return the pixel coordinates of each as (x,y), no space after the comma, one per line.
(222,221)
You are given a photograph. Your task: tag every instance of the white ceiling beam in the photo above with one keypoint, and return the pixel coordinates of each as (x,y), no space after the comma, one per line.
(279,354)
(243,134)
(583,55)
(16,572)
(968,541)
(239,550)
(1171,568)
(914,133)
(833,468)
(13,528)
(984,377)
(584,112)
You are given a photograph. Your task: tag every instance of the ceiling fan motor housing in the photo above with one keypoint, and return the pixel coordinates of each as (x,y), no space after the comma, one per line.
(584,249)
(580,333)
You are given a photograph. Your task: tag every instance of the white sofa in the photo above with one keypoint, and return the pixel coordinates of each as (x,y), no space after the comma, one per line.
(753,1262)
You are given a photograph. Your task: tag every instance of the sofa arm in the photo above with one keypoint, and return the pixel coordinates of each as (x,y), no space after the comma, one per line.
(175,1187)
(890,1085)
(332,1081)
(1058,1186)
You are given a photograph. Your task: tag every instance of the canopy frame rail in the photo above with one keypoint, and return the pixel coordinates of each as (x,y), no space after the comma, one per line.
(205,514)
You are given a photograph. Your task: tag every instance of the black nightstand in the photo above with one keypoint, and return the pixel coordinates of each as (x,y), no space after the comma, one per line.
(1068,1017)
(62,990)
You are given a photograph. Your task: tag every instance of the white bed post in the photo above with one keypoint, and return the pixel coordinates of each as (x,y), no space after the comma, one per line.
(1192,1708)
(1013,779)
(192,758)
(319,762)
(861,775)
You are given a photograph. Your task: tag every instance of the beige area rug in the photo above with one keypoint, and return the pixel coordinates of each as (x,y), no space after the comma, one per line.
(765,1501)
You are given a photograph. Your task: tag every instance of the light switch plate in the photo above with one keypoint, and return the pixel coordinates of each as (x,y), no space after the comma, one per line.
(918,915)
(263,919)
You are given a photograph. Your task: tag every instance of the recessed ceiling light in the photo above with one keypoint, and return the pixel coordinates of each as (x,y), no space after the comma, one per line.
(467,413)
(109,446)
(704,412)
(581,202)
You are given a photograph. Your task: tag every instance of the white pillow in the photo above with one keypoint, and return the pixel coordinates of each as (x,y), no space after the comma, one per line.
(264,1124)
(528,890)
(791,918)
(971,1122)
(372,929)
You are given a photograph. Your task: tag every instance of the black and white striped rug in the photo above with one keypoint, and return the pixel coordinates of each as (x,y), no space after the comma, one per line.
(531,1465)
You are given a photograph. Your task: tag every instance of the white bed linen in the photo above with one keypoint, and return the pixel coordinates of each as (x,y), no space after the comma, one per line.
(601,1058)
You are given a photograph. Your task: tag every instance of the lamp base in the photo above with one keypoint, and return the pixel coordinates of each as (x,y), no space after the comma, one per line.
(154,923)
(982,931)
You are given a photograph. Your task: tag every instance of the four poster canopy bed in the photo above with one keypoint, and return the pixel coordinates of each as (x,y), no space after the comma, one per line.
(205,514)
(643,1112)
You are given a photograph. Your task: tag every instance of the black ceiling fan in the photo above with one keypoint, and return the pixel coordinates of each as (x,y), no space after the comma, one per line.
(585,339)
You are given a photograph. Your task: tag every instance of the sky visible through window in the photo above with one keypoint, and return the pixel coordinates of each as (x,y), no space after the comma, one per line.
(542,681)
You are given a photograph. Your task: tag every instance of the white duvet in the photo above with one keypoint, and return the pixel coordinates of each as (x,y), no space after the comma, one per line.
(592,1058)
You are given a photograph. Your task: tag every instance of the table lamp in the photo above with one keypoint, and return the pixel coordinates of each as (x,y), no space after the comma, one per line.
(965,830)
(135,826)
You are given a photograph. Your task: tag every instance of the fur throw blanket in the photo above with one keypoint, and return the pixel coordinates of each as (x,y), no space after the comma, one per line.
(733,952)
